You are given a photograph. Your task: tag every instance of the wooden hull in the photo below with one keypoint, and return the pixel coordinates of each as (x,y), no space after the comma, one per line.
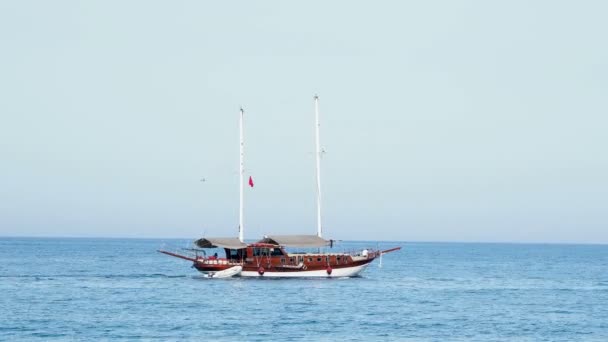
(337,271)
(284,265)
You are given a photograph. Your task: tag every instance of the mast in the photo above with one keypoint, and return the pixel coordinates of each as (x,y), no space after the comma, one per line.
(241,173)
(318,163)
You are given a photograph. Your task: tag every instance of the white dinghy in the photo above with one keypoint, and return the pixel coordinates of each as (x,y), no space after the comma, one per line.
(227,273)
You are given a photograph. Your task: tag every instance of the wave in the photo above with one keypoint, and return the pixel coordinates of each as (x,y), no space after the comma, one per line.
(105,276)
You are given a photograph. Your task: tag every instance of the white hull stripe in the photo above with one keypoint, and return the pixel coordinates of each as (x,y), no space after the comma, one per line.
(336,273)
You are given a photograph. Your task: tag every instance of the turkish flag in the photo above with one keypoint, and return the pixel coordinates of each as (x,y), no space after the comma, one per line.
(250,181)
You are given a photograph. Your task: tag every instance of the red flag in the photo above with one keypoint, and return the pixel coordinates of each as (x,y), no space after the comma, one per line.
(250,181)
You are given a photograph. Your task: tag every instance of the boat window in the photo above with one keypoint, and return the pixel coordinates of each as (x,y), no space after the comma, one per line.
(282,260)
(276,251)
(260,251)
(319,259)
(291,259)
(309,259)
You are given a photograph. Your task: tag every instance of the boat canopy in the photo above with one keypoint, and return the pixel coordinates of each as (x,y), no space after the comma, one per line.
(231,243)
(296,240)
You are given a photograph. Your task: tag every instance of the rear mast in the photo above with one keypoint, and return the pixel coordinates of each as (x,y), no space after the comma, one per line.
(318,165)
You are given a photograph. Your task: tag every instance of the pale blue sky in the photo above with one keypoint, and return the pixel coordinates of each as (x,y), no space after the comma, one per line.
(442,120)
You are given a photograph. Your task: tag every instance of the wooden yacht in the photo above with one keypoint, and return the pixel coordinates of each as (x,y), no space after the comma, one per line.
(269,257)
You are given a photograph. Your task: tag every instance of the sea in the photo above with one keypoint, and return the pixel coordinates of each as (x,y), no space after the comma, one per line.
(76,289)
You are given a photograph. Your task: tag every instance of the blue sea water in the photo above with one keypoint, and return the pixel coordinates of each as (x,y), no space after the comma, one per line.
(122,289)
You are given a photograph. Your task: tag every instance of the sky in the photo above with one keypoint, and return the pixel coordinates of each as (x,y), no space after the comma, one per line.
(441,120)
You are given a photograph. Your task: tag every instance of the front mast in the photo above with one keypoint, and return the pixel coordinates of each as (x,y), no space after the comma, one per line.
(241,172)
(318,155)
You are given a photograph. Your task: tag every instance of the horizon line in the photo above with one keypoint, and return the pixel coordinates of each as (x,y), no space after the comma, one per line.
(354,240)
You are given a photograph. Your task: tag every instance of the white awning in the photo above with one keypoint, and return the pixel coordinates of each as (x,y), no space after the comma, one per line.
(296,240)
(232,243)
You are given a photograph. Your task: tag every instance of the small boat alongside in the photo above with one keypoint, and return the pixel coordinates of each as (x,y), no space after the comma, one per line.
(227,273)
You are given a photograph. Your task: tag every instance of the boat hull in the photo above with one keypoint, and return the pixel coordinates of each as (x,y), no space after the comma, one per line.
(283,265)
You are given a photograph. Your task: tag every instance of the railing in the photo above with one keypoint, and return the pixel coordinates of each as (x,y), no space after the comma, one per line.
(222,261)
